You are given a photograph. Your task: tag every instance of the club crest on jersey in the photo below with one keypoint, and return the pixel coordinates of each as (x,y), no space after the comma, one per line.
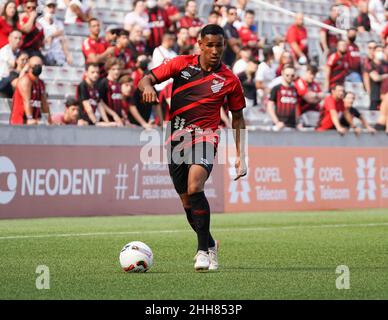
(185,75)
(217,86)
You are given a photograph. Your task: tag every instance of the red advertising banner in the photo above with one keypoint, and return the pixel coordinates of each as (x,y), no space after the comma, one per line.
(42,181)
(295,178)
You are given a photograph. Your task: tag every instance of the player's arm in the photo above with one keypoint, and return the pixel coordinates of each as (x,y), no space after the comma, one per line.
(146,86)
(24,86)
(238,125)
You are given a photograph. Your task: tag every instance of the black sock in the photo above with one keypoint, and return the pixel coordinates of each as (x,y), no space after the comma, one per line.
(201,216)
(190,219)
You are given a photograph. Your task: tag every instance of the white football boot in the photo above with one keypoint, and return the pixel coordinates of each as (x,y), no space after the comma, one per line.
(213,256)
(202,261)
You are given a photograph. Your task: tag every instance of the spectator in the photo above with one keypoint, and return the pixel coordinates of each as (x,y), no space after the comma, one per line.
(354,57)
(110,91)
(8,84)
(137,17)
(32,31)
(89,98)
(241,64)
(309,91)
(162,53)
(9,52)
(333,107)
(285,59)
(8,21)
(56,48)
(214,18)
(123,53)
(282,106)
(137,44)
(70,115)
(266,73)
(376,15)
(248,36)
(278,48)
(233,43)
(366,64)
(329,39)
(126,85)
(346,119)
(377,74)
(141,68)
(95,48)
(247,80)
(29,102)
(172,11)
(159,23)
(78,11)
(362,21)
(241,10)
(191,21)
(382,121)
(337,66)
(111,34)
(297,39)
(182,45)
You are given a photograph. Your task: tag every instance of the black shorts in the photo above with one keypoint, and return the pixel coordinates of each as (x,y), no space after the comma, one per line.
(180,161)
(380,127)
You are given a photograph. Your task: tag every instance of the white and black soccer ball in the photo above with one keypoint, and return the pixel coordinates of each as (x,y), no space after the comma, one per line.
(136,256)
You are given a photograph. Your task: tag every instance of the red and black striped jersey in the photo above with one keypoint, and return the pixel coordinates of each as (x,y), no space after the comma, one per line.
(32,40)
(286,101)
(159,23)
(339,67)
(198,95)
(302,87)
(110,93)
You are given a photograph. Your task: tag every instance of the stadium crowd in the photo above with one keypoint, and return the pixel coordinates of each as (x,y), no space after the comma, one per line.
(278,75)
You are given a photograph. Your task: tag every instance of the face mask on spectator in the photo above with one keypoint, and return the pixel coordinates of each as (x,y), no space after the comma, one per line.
(37,70)
(151,4)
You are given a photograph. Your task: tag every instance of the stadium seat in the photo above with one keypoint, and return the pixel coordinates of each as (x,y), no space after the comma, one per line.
(5,110)
(75,42)
(77,29)
(60,90)
(56,106)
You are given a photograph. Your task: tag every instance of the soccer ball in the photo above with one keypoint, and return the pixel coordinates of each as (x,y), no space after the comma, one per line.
(136,256)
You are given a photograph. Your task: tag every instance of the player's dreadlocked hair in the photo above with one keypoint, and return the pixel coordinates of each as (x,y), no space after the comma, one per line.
(213,29)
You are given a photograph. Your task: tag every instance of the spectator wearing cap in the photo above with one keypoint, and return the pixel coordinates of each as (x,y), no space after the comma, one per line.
(328,38)
(297,39)
(33,34)
(8,21)
(56,48)
(337,66)
(9,52)
(78,11)
(354,57)
(137,17)
(70,115)
(122,52)
(191,21)
(95,48)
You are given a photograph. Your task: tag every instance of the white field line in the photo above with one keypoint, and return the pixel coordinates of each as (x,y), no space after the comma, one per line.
(94,234)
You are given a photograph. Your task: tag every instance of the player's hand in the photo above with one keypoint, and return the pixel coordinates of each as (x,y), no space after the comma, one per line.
(241,168)
(150,95)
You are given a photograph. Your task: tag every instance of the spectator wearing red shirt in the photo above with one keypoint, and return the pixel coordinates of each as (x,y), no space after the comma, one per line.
(172,11)
(33,35)
(309,91)
(332,111)
(285,59)
(337,66)
(366,64)
(70,115)
(354,57)
(329,39)
(141,68)
(95,48)
(8,22)
(297,38)
(283,104)
(158,22)
(248,37)
(190,21)
(362,21)
(122,52)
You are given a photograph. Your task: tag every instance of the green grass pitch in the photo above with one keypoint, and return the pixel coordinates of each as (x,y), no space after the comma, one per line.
(262,256)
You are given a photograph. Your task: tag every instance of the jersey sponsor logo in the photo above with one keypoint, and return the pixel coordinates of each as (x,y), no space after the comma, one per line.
(157,24)
(8,167)
(179,123)
(217,86)
(35,104)
(116,96)
(290,100)
(196,68)
(366,173)
(185,75)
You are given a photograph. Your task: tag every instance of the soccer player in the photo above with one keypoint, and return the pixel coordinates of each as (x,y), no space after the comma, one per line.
(29,100)
(201,83)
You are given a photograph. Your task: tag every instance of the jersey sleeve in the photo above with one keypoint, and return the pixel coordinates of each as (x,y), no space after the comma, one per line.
(169,68)
(83,93)
(301,87)
(273,94)
(329,104)
(236,99)
(331,60)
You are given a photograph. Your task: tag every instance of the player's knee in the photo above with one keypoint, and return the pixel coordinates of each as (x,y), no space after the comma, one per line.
(194,188)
